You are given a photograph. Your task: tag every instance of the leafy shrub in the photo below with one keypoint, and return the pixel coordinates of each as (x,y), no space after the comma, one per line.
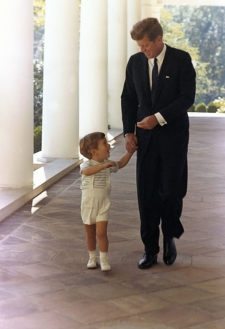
(38,96)
(38,92)
(37,138)
(201,107)
(220,103)
(212,108)
(221,110)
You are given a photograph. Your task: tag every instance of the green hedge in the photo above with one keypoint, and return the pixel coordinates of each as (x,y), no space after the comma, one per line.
(201,107)
(216,106)
(212,108)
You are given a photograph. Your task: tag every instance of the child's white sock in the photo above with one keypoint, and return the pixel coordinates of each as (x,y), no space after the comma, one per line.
(92,262)
(92,253)
(104,261)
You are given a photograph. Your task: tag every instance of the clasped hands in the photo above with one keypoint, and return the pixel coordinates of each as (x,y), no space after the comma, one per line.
(131,140)
(110,163)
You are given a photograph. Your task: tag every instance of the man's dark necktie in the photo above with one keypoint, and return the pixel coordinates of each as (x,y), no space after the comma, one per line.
(155,75)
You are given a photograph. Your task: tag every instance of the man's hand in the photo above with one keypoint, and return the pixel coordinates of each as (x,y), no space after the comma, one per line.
(131,143)
(148,122)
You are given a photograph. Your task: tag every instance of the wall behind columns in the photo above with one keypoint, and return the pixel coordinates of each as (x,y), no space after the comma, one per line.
(117,58)
(16,93)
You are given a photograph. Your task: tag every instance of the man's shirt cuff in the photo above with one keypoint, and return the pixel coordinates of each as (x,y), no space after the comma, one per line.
(160,119)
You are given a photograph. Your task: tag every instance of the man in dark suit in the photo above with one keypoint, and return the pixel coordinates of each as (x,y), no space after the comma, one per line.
(159,89)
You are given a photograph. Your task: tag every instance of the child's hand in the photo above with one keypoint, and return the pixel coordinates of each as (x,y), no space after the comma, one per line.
(109,164)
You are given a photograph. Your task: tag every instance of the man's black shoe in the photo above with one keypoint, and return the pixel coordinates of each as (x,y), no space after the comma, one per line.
(147,261)
(169,251)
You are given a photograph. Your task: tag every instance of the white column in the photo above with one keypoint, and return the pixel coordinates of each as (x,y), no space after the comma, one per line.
(117,58)
(16,93)
(93,67)
(151,8)
(133,16)
(60,90)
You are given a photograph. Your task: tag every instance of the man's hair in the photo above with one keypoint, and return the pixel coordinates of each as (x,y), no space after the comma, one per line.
(89,143)
(149,27)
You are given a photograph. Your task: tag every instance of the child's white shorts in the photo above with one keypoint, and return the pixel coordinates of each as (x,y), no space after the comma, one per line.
(95,206)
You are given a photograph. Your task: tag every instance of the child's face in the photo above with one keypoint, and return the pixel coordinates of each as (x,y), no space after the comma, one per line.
(103,151)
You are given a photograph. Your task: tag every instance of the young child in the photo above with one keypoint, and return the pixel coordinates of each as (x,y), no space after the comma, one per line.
(95,201)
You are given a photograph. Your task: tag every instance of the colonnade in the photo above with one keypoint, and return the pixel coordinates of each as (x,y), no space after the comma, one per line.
(86,48)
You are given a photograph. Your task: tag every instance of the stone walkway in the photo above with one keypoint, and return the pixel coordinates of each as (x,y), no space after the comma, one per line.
(44,282)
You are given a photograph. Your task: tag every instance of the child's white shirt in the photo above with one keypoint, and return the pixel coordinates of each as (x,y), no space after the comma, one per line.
(100,180)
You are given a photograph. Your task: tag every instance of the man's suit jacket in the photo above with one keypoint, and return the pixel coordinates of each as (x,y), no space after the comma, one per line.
(174,95)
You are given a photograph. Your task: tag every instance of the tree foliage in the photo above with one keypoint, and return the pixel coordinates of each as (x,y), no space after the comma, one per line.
(39,12)
(205,29)
(38,92)
(174,35)
(39,9)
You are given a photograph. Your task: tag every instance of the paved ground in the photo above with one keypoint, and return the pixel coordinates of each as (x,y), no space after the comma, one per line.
(44,282)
